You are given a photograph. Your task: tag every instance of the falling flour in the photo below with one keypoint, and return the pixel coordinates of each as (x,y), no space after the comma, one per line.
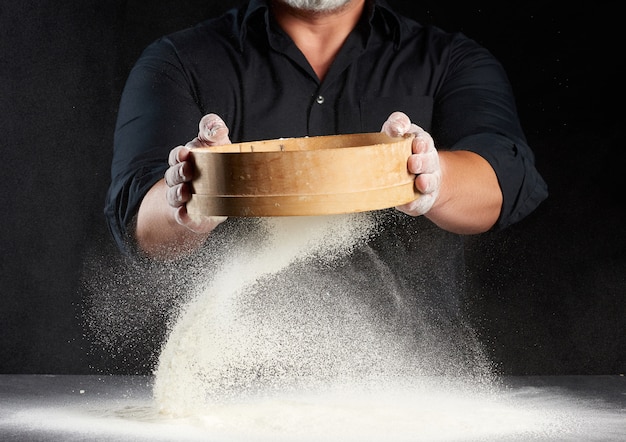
(295,329)
(234,338)
(263,346)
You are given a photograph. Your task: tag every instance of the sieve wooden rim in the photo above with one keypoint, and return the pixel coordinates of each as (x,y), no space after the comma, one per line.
(302,176)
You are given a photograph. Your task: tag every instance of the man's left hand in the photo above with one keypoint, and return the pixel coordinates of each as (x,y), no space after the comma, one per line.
(424,163)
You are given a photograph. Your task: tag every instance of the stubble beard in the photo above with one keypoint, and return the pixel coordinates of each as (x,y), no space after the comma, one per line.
(316,5)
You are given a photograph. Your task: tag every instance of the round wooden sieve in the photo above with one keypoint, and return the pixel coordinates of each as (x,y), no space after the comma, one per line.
(302,176)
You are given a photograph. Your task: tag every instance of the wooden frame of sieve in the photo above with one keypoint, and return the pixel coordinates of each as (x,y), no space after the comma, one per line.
(302,176)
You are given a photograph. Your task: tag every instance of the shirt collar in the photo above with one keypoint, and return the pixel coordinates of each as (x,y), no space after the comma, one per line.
(381,16)
(389,22)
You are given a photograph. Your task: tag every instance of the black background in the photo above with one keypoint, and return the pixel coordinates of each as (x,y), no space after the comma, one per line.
(547,296)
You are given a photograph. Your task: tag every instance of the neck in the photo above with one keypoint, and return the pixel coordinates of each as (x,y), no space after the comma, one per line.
(319,35)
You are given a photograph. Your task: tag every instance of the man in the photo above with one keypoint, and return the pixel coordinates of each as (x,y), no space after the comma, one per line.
(318,62)
(284,68)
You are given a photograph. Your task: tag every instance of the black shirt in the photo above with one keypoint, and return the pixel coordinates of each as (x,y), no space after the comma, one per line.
(243,67)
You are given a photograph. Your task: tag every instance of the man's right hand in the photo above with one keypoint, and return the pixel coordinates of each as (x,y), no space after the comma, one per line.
(212,131)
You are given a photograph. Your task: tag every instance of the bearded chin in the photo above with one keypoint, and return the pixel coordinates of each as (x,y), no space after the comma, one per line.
(316,5)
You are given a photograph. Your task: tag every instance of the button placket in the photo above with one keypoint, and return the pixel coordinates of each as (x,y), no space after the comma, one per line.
(321,113)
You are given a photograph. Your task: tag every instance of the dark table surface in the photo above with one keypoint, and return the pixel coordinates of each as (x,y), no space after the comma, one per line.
(120,408)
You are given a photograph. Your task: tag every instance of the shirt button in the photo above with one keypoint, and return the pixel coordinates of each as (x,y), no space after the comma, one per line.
(319,99)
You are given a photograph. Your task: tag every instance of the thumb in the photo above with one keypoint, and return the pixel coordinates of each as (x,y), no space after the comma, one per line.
(397,124)
(212,131)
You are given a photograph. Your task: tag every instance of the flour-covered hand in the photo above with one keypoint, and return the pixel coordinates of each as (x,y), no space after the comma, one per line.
(212,131)
(423,162)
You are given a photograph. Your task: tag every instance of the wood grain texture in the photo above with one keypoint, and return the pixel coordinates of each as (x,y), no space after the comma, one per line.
(302,176)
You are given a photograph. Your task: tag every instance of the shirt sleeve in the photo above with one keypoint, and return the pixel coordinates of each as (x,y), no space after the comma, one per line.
(158,111)
(475,110)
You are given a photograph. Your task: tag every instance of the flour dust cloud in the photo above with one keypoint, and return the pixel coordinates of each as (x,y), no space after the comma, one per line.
(296,329)
(275,339)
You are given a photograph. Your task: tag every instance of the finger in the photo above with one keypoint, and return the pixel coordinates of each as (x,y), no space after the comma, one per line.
(423,163)
(427,183)
(422,142)
(200,224)
(418,207)
(177,174)
(177,155)
(178,195)
(183,218)
(397,124)
(212,130)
